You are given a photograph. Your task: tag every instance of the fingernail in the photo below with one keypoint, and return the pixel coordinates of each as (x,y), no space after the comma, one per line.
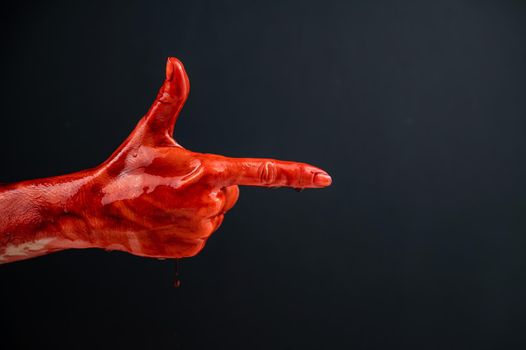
(322,179)
(169,70)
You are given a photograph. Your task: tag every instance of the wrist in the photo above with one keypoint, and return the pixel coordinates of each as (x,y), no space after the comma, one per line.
(43,216)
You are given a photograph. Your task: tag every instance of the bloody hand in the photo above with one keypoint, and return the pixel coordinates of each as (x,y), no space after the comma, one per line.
(152,197)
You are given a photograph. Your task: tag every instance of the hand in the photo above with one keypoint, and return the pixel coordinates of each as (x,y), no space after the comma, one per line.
(152,197)
(169,200)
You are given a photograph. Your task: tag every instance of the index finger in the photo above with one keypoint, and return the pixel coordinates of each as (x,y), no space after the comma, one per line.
(267,173)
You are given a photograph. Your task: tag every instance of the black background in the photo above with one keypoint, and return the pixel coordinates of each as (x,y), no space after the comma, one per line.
(416,108)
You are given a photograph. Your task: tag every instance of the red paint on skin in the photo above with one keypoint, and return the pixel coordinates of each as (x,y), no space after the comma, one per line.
(151,198)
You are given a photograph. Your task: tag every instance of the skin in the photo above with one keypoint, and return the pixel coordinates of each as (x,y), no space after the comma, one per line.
(151,197)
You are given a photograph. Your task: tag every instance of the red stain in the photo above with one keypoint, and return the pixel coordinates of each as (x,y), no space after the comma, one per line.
(152,197)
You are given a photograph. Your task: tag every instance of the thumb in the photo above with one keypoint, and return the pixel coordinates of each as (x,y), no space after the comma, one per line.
(162,115)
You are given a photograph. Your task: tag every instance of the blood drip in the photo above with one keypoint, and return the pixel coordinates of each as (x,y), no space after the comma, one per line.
(177,280)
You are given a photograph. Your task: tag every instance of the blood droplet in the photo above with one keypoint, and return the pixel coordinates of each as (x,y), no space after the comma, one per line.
(177,280)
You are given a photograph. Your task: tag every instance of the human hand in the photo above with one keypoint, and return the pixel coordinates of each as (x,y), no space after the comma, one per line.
(169,200)
(152,197)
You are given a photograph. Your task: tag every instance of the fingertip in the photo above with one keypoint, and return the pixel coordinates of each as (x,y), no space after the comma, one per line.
(173,65)
(174,60)
(322,179)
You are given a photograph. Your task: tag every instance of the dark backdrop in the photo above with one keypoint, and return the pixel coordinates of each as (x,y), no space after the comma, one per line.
(416,108)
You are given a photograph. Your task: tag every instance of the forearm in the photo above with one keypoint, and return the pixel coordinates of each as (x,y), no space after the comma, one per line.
(43,216)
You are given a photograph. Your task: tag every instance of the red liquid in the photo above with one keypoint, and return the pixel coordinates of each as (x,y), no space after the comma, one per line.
(177,281)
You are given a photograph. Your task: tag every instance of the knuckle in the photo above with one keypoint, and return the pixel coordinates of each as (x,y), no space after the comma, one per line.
(267,173)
